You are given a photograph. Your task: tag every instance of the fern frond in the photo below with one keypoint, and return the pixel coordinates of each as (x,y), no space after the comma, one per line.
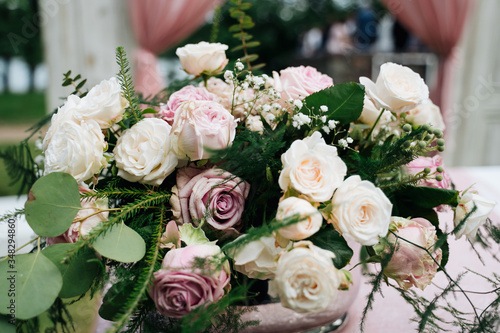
(133,111)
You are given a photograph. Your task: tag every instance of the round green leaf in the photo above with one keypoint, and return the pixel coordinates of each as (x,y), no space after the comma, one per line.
(34,280)
(6,326)
(121,243)
(53,202)
(78,273)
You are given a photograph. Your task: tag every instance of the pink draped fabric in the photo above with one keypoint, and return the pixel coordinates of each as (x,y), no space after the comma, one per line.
(439,24)
(158,25)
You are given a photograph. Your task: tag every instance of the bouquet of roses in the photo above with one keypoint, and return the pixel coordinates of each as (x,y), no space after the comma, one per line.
(189,204)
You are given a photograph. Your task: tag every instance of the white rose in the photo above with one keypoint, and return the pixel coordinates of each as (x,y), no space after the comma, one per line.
(258,259)
(426,113)
(203,58)
(306,279)
(310,223)
(359,210)
(398,88)
(254,123)
(76,149)
(143,153)
(64,113)
(477,218)
(104,103)
(313,168)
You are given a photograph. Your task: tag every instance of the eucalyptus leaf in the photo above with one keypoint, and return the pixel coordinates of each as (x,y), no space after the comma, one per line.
(329,239)
(78,273)
(53,202)
(35,281)
(121,243)
(344,102)
(114,300)
(6,326)
(193,236)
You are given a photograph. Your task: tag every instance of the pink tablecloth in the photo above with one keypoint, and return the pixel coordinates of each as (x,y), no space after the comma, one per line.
(392,314)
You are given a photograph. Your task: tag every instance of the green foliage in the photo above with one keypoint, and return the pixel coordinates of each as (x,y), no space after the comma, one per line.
(20,165)
(38,283)
(53,202)
(120,243)
(77,82)
(133,111)
(329,239)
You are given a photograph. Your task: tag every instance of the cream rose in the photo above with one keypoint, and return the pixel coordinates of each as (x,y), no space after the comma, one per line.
(310,218)
(477,218)
(258,259)
(77,149)
(144,153)
(306,279)
(300,82)
(203,58)
(426,113)
(255,124)
(397,88)
(359,210)
(201,125)
(104,103)
(312,168)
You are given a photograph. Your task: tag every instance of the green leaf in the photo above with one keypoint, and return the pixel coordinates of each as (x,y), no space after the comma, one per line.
(235,13)
(34,280)
(121,243)
(6,326)
(344,102)
(410,199)
(81,84)
(250,57)
(114,300)
(149,110)
(247,25)
(53,202)
(193,236)
(245,6)
(79,273)
(234,28)
(329,239)
(67,82)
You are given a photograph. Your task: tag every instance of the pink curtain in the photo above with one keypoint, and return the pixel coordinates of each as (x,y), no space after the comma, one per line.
(439,24)
(158,25)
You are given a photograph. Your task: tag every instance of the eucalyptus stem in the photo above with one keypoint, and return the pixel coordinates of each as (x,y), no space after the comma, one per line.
(22,246)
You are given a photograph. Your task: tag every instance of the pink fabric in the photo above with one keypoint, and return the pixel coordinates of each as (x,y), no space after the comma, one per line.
(158,25)
(438,24)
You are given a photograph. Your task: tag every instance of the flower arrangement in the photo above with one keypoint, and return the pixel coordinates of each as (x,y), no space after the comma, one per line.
(187,205)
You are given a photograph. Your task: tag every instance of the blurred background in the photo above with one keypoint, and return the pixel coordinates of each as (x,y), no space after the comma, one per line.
(452,44)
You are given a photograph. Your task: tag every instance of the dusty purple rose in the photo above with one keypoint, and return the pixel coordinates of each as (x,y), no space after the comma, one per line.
(186,94)
(213,191)
(178,287)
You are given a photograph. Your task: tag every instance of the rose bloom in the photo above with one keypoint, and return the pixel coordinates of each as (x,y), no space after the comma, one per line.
(144,153)
(104,103)
(255,124)
(258,259)
(242,98)
(312,168)
(432,163)
(76,149)
(410,265)
(186,94)
(370,114)
(310,218)
(300,82)
(179,287)
(200,125)
(397,88)
(211,194)
(359,210)
(306,279)
(467,202)
(426,113)
(81,229)
(203,58)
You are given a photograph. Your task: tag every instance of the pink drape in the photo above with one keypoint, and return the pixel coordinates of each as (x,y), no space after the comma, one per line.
(158,25)
(439,24)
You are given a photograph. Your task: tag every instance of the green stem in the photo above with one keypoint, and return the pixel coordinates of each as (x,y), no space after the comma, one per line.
(375,124)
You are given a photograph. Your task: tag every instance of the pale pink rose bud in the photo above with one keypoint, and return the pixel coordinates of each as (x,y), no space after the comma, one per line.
(300,82)
(410,265)
(211,194)
(186,94)
(180,286)
(432,163)
(476,219)
(200,126)
(203,58)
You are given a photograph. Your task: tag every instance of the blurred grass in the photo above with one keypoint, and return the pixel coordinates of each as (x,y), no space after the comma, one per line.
(21,108)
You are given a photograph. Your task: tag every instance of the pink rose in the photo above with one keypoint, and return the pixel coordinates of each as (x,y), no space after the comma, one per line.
(410,265)
(179,286)
(200,126)
(82,228)
(432,163)
(241,99)
(300,82)
(211,194)
(186,94)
